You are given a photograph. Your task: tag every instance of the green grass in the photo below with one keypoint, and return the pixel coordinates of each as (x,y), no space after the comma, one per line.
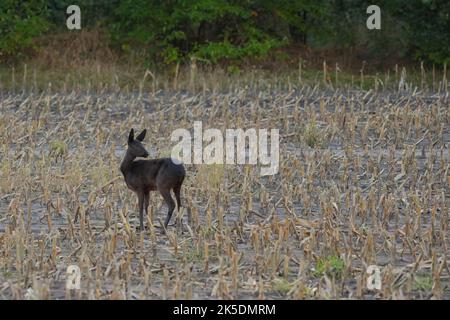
(281,285)
(58,148)
(330,265)
(423,283)
(194,255)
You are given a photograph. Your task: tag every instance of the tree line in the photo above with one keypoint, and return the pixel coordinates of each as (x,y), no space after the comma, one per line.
(173,31)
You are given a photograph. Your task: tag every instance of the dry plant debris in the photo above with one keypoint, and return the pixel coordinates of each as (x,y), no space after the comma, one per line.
(364,179)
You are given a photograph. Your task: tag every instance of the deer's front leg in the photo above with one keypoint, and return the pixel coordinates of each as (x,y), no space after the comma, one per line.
(141,209)
(146,202)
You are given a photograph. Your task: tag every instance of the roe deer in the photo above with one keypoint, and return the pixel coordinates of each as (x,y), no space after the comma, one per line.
(143,176)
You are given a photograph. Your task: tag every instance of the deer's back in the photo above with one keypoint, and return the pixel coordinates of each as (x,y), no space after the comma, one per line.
(149,174)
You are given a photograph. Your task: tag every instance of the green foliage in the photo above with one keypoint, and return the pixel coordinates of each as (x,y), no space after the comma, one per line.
(429,22)
(423,283)
(221,30)
(20,23)
(93,12)
(409,29)
(233,70)
(231,31)
(213,30)
(218,51)
(58,148)
(195,255)
(281,285)
(331,266)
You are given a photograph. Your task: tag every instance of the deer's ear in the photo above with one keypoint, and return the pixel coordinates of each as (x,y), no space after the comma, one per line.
(131,136)
(141,135)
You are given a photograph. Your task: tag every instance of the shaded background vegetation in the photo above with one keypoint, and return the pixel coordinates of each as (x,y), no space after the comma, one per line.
(168,32)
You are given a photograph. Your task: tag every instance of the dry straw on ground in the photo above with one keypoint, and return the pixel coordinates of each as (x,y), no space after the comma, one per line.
(364,179)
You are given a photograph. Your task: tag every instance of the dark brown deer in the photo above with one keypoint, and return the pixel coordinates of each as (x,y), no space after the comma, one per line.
(143,176)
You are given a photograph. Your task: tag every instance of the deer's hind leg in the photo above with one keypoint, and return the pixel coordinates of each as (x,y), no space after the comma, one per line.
(170,204)
(177,192)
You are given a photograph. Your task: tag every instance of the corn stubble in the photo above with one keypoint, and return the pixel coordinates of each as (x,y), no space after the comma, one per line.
(364,179)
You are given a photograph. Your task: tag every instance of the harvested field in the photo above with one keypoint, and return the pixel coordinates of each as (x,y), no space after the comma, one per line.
(363,180)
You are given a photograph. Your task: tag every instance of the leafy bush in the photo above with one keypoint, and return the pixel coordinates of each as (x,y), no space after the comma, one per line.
(429,21)
(417,29)
(215,30)
(20,23)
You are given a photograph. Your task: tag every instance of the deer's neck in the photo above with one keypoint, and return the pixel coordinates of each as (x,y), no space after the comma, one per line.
(126,162)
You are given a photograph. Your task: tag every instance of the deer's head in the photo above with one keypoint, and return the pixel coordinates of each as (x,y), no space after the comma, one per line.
(135,146)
